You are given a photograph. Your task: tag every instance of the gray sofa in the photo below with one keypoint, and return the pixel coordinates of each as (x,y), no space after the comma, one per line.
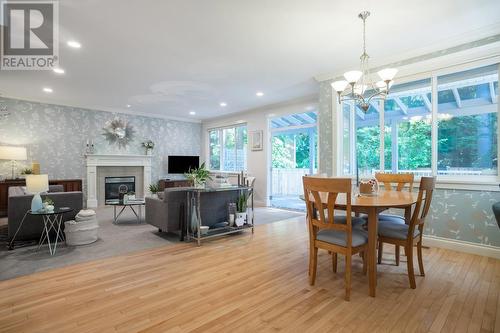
(169,214)
(20,203)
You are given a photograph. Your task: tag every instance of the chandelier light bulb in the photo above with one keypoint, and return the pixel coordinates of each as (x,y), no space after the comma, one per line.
(382,85)
(352,76)
(339,86)
(387,74)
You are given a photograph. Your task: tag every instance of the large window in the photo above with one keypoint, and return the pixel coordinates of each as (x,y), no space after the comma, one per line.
(228,148)
(465,122)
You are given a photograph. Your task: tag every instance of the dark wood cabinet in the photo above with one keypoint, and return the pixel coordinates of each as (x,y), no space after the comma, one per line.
(166,183)
(70,185)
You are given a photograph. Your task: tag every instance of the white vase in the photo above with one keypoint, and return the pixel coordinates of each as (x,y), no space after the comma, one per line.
(149,152)
(241,218)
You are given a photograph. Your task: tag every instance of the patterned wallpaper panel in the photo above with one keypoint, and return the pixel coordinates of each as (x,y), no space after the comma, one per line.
(56,135)
(464,215)
(325,129)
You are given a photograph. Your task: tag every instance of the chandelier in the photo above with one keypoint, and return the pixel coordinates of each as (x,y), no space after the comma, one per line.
(358,86)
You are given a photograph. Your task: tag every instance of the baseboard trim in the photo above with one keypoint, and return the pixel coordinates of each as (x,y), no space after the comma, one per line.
(462,246)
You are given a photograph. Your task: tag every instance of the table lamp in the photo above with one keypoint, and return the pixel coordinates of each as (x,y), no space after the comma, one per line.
(13,154)
(36,184)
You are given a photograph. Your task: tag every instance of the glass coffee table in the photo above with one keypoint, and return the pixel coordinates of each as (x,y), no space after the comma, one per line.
(52,220)
(130,203)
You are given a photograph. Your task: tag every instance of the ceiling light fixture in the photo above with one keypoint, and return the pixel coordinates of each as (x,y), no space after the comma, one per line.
(223,104)
(358,82)
(259,94)
(74,44)
(192,113)
(48,90)
(128,106)
(58,70)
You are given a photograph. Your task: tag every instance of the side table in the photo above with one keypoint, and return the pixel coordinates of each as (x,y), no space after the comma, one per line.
(51,221)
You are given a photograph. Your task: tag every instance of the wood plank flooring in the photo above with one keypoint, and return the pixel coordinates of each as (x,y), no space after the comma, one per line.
(254,283)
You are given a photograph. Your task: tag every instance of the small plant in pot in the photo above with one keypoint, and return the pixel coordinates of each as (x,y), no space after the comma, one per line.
(48,205)
(26,171)
(149,145)
(199,176)
(241,210)
(154,189)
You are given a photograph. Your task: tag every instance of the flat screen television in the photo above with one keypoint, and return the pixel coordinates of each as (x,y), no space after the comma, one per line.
(182,164)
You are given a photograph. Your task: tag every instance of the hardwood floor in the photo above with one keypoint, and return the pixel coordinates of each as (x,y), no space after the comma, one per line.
(252,284)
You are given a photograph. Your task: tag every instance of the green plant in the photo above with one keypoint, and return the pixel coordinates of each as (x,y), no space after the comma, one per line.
(241,204)
(27,171)
(154,188)
(48,201)
(198,176)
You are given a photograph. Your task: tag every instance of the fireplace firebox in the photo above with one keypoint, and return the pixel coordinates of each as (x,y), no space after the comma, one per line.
(113,186)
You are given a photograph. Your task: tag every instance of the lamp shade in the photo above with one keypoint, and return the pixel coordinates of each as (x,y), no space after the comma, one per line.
(387,74)
(339,86)
(37,183)
(13,153)
(353,76)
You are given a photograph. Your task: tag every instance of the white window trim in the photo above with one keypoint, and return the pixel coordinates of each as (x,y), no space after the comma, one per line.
(489,183)
(221,140)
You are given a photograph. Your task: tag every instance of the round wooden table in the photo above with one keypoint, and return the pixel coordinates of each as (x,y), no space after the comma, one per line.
(372,206)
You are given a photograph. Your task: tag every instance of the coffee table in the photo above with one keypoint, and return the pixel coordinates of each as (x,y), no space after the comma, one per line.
(52,220)
(130,203)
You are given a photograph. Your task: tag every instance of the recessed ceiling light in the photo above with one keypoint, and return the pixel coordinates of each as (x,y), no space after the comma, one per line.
(74,44)
(48,90)
(128,105)
(192,113)
(58,70)
(223,104)
(259,94)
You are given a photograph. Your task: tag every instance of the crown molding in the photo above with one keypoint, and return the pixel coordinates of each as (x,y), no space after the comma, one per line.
(479,38)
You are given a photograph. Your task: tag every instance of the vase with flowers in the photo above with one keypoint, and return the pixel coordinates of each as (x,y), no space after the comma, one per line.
(149,145)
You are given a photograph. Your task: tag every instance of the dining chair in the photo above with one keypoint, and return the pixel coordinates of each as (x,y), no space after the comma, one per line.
(334,233)
(409,235)
(397,182)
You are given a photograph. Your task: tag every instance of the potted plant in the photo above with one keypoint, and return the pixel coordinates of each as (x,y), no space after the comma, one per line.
(241,208)
(26,171)
(48,204)
(199,176)
(154,189)
(149,145)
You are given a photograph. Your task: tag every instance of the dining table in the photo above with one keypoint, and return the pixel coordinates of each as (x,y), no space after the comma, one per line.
(373,205)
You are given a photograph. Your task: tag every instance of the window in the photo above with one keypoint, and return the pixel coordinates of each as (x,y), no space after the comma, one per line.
(466,120)
(228,148)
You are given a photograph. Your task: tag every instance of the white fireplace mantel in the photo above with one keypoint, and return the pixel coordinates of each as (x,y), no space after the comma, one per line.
(97,160)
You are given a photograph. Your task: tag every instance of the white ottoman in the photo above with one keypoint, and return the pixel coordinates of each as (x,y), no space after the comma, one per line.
(82,230)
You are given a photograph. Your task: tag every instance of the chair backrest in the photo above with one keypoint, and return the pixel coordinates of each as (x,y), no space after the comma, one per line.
(426,189)
(321,194)
(398,179)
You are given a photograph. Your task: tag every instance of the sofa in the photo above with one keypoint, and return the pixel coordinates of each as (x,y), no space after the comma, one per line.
(168,212)
(20,203)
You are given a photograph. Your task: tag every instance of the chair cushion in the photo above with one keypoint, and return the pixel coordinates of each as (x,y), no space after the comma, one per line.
(391,218)
(355,221)
(395,230)
(337,237)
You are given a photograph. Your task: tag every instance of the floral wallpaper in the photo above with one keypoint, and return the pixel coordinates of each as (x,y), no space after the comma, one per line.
(464,215)
(325,128)
(56,137)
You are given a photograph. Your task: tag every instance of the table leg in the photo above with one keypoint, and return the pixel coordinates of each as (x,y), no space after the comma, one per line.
(372,249)
(140,213)
(11,244)
(47,232)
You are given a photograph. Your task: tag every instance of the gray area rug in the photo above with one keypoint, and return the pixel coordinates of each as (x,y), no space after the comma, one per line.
(114,239)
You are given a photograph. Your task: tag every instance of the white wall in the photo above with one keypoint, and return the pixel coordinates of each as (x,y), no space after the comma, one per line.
(257,119)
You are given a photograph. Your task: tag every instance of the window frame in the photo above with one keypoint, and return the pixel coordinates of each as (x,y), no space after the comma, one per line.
(462,181)
(222,147)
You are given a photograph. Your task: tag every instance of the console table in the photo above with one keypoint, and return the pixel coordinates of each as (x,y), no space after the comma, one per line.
(69,185)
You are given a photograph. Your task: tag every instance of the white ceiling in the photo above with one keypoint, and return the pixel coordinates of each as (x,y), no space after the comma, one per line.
(166,58)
